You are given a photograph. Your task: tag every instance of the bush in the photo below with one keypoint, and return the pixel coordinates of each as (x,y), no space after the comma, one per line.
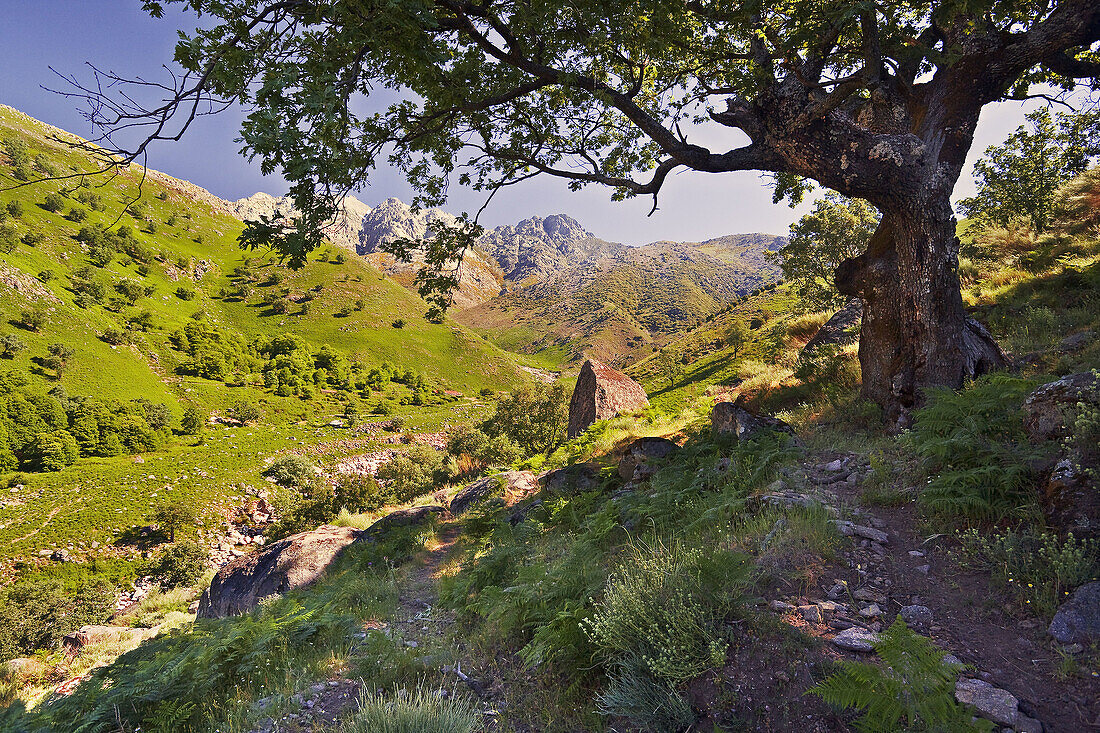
(77,214)
(533,418)
(194,420)
(292,471)
(424,710)
(360,493)
(11,345)
(115,336)
(33,319)
(33,238)
(409,475)
(244,412)
(36,614)
(9,236)
(15,209)
(46,275)
(54,202)
(51,451)
(174,515)
(181,564)
(185,293)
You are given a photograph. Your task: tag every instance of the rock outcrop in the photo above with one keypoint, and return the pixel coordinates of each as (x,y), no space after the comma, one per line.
(401,518)
(841,329)
(1078,620)
(1071,501)
(731,418)
(1044,409)
(290,563)
(508,487)
(641,456)
(602,393)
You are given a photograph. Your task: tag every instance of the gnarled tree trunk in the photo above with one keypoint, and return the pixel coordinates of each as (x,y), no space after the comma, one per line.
(915,332)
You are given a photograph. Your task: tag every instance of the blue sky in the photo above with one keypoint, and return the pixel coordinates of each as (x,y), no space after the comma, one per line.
(116,35)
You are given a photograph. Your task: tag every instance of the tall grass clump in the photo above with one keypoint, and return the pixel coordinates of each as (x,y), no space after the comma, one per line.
(661,622)
(426,709)
(979,461)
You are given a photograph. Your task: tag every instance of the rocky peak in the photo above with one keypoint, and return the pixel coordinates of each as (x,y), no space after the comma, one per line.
(394,219)
(344,232)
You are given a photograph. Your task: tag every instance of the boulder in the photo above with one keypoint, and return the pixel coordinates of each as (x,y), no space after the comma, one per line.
(510,487)
(856,639)
(841,329)
(401,518)
(1070,500)
(1044,409)
(730,418)
(602,393)
(20,669)
(918,618)
(571,479)
(644,452)
(290,563)
(1076,341)
(993,703)
(1078,620)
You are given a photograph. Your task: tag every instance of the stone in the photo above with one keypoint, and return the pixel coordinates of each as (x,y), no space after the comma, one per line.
(812,613)
(841,329)
(872,611)
(401,518)
(572,479)
(732,419)
(993,703)
(780,606)
(1070,501)
(644,452)
(856,639)
(1027,724)
(602,393)
(1076,341)
(1044,409)
(1078,619)
(849,529)
(918,618)
(509,486)
(290,563)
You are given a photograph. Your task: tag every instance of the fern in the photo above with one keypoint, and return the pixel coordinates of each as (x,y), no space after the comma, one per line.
(913,690)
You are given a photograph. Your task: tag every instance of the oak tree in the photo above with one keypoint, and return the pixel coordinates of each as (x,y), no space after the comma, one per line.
(875,100)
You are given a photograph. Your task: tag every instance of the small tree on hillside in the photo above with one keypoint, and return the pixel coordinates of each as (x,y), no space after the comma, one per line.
(58,358)
(837,229)
(244,412)
(10,346)
(193,421)
(174,515)
(737,334)
(534,418)
(669,366)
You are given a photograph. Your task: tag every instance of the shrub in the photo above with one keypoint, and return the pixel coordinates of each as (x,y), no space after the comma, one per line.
(15,208)
(244,412)
(115,336)
(664,609)
(293,471)
(11,345)
(912,690)
(193,421)
(35,614)
(181,564)
(185,293)
(360,493)
(340,258)
(17,151)
(174,515)
(33,238)
(533,418)
(46,275)
(424,710)
(77,214)
(281,306)
(54,203)
(51,451)
(980,461)
(410,474)
(399,323)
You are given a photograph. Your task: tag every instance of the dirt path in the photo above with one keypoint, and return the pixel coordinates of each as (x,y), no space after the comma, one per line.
(972,618)
(27,536)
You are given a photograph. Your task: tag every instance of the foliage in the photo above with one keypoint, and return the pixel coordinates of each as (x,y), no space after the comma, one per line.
(1038,569)
(669,365)
(174,515)
(1019,178)
(980,461)
(648,704)
(838,228)
(410,474)
(533,417)
(36,614)
(181,564)
(244,412)
(664,608)
(11,346)
(425,709)
(291,470)
(194,420)
(913,690)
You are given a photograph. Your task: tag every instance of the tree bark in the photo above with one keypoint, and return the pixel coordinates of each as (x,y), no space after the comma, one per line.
(915,332)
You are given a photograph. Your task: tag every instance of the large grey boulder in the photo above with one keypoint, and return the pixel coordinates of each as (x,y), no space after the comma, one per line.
(644,452)
(998,705)
(571,479)
(410,517)
(282,566)
(602,393)
(1044,409)
(1078,620)
(730,418)
(509,487)
(841,329)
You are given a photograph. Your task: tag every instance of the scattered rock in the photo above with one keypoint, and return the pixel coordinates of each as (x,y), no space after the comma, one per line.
(1044,409)
(780,606)
(991,702)
(290,563)
(1078,620)
(509,486)
(812,613)
(643,452)
(1070,500)
(918,618)
(730,418)
(571,479)
(602,393)
(848,529)
(1076,341)
(856,639)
